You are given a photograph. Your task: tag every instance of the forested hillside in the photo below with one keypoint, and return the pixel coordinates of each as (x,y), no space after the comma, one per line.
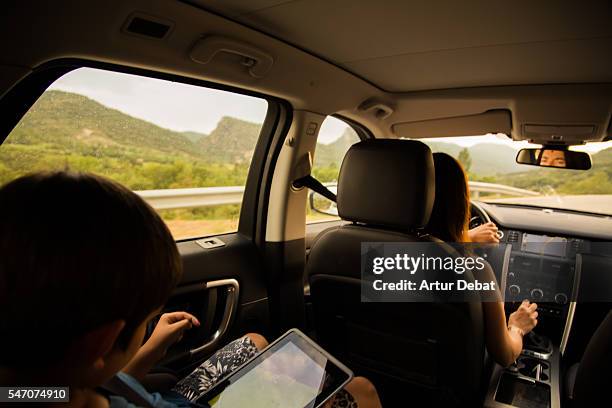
(69,131)
(65,130)
(488,159)
(598,180)
(495,163)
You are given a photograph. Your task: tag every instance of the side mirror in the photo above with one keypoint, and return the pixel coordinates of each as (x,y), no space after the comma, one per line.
(322,205)
(554,157)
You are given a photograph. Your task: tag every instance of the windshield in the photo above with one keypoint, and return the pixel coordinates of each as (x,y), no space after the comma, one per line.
(495,177)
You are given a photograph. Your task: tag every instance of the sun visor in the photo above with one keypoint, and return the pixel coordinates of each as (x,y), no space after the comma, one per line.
(494,121)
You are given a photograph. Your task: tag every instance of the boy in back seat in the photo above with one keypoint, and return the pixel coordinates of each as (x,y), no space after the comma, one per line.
(85,264)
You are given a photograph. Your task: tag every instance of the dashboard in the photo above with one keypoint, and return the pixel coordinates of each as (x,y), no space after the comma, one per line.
(555,259)
(549,221)
(541,268)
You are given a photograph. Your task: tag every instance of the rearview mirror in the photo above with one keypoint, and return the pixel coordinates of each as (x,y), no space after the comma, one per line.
(554,157)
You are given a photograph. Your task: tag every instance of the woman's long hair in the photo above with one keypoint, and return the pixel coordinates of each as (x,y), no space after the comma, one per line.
(450,216)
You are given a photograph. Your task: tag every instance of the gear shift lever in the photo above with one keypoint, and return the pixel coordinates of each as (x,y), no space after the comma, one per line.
(535,342)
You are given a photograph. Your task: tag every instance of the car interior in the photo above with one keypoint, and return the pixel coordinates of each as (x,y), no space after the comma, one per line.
(396,80)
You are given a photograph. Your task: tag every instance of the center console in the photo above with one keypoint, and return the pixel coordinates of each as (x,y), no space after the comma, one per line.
(543,269)
(531,382)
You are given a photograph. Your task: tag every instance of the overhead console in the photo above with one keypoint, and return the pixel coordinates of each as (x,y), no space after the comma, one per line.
(563,115)
(554,114)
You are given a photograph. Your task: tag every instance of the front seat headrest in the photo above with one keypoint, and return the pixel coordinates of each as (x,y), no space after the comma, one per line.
(388,183)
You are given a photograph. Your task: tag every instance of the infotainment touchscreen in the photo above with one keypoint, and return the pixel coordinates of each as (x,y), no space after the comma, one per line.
(544,245)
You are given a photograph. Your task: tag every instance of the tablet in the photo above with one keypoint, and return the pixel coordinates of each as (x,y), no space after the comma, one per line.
(292,372)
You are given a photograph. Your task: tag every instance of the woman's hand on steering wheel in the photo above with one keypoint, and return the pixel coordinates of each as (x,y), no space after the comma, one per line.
(485,233)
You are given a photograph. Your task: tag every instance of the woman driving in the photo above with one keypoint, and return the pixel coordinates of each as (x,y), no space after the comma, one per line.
(449,222)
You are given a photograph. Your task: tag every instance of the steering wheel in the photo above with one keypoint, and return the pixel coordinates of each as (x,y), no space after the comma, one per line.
(478,215)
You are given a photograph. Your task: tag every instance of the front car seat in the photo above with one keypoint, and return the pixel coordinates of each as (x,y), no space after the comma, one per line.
(428,354)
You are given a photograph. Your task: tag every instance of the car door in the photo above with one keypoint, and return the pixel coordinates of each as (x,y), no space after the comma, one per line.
(199,153)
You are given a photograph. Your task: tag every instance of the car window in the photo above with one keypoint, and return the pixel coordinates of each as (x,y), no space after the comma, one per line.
(335,138)
(186,149)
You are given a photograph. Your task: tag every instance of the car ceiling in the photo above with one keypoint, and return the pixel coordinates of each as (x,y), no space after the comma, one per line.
(402,46)
(401,68)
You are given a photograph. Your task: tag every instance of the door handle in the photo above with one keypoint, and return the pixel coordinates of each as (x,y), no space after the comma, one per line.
(232,291)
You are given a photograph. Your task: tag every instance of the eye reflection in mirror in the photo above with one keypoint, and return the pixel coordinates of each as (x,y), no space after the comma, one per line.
(553,156)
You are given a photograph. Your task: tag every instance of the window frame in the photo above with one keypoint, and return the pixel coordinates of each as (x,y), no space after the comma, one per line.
(20,98)
(363,133)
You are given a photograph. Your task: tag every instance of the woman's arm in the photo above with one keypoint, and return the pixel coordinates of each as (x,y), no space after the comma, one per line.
(505,341)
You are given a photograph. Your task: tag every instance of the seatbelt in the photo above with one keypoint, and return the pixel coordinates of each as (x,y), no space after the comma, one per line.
(316,186)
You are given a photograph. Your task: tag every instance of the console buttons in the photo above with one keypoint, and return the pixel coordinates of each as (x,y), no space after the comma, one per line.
(561,298)
(537,294)
(514,290)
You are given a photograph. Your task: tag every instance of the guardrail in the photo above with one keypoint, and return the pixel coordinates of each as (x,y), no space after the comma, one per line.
(477,187)
(192,197)
(210,196)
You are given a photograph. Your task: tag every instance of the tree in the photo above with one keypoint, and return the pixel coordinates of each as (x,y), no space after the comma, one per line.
(465,159)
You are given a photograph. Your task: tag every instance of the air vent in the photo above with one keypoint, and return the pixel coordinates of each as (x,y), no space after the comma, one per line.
(144,25)
(513,236)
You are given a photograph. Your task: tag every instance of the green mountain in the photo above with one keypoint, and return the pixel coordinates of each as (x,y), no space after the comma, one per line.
(597,180)
(66,130)
(194,136)
(66,120)
(331,154)
(602,158)
(233,141)
(488,159)
(443,147)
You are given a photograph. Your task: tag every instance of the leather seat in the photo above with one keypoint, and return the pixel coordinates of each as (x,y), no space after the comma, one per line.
(427,354)
(587,383)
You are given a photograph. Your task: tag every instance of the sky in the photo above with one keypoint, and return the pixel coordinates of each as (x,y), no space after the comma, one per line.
(181,107)
(171,105)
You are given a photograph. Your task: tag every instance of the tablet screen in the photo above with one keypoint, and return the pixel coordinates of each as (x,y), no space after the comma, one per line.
(291,373)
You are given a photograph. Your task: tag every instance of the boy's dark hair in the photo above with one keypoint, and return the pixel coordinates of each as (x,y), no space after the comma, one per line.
(76,251)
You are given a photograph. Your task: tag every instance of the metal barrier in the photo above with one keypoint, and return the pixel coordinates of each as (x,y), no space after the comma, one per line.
(192,197)
(477,187)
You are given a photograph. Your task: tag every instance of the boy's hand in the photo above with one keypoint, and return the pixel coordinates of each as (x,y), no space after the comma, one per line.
(169,330)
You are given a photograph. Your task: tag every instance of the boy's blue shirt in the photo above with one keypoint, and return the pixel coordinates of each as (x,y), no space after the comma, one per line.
(157,400)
